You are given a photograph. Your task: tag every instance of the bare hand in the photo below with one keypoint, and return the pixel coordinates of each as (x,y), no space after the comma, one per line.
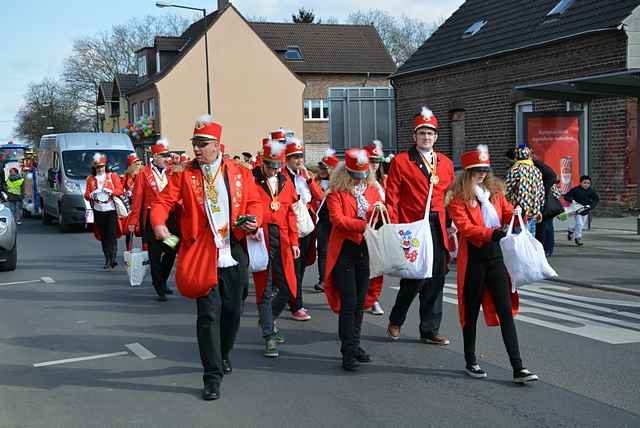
(256,236)
(248,226)
(538,218)
(517,210)
(308,175)
(161,232)
(296,252)
(132,228)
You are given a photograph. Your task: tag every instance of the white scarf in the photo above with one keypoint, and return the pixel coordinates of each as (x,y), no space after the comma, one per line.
(489,213)
(218,215)
(302,188)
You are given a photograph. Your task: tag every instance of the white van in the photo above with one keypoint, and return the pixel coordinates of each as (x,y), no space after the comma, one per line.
(64,163)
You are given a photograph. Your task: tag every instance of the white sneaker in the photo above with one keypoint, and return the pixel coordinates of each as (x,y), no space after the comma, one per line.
(377,309)
(475,371)
(524,376)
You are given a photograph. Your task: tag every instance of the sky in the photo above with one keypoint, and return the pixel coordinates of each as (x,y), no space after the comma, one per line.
(37,35)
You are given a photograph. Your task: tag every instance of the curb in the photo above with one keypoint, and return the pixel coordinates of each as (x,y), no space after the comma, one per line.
(611,288)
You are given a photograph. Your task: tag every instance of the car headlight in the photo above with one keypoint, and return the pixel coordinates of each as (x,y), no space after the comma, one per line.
(71,187)
(3,225)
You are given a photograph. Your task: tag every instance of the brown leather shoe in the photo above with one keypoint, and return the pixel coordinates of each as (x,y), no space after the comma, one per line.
(393,331)
(436,340)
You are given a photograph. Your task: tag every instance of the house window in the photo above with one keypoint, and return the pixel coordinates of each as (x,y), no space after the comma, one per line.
(561,7)
(144,109)
(521,108)
(316,110)
(152,107)
(134,108)
(158,68)
(142,66)
(474,29)
(293,53)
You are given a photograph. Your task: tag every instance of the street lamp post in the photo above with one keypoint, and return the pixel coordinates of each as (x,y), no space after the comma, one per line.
(162,4)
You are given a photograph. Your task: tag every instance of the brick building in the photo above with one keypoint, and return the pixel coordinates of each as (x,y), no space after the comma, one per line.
(494,67)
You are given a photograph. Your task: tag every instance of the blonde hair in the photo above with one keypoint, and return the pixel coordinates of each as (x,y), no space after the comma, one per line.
(341,181)
(134,169)
(464,185)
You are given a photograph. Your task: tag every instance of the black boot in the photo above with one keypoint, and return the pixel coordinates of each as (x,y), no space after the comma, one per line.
(349,362)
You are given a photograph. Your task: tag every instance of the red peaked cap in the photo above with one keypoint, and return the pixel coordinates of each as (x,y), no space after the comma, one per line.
(356,160)
(273,151)
(159,148)
(427,119)
(100,161)
(331,161)
(278,135)
(207,131)
(374,152)
(131,159)
(478,158)
(295,147)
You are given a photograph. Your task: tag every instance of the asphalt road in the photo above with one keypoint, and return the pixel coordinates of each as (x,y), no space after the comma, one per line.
(583,343)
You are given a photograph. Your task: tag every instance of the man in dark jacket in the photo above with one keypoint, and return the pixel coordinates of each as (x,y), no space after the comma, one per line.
(588,198)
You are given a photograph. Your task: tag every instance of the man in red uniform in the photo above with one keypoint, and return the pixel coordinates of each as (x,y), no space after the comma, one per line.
(410,176)
(147,187)
(280,232)
(220,205)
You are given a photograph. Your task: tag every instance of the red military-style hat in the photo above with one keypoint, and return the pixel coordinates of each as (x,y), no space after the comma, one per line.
(374,150)
(330,160)
(131,159)
(278,135)
(478,158)
(160,147)
(206,129)
(99,160)
(222,148)
(184,158)
(427,119)
(357,162)
(274,153)
(294,147)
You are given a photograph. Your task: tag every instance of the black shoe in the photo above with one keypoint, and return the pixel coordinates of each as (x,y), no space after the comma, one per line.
(579,242)
(162,298)
(226,366)
(211,391)
(350,363)
(524,376)
(113,265)
(362,356)
(569,236)
(168,291)
(475,371)
(319,287)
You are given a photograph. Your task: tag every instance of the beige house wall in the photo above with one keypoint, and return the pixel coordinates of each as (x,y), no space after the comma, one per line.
(252,91)
(114,124)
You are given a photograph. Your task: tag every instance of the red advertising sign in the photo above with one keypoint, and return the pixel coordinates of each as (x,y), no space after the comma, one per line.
(556,142)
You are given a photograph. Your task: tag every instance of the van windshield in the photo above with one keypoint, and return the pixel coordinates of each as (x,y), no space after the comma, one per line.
(77,163)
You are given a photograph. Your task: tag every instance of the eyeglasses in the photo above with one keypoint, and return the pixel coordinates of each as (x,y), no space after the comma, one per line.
(201,144)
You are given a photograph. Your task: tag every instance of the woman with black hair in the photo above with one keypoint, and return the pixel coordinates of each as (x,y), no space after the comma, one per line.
(102,186)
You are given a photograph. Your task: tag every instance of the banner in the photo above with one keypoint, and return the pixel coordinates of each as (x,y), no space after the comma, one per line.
(556,142)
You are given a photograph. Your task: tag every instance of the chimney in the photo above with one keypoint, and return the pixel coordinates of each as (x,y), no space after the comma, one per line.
(222,4)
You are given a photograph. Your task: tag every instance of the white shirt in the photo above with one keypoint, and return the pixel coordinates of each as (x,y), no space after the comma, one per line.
(160,177)
(273,184)
(100,206)
(427,154)
(302,188)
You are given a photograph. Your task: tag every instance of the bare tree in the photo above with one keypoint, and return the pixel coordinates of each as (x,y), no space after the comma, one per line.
(98,58)
(49,107)
(401,35)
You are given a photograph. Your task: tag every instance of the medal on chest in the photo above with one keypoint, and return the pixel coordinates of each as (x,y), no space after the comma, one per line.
(210,188)
(432,168)
(275,203)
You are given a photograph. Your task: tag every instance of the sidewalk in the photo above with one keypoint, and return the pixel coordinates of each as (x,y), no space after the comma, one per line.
(609,259)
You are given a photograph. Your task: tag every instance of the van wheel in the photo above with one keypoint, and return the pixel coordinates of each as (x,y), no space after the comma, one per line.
(12,260)
(64,227)
(46,218)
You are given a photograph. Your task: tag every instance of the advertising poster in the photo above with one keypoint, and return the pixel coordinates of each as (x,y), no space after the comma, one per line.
(555,140)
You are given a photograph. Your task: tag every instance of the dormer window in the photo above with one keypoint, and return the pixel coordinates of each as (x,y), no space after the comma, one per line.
(142,65)
(474,29)
(293,54)
(561,7)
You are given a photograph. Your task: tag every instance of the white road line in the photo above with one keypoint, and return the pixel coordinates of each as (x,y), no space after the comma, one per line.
(7,284)
(73,360)
(142,352)
(48,280)
(543,290)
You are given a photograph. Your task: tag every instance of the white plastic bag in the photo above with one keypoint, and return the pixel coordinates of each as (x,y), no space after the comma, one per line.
(258,255)
(524,257)
(121,208)
(453,242)
(303,218)
(384,245)
(136,263)
(417,246)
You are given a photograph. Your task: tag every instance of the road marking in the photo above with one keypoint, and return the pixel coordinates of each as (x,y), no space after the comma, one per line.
(542,289)
(48,280)
(73,360)
(142,352)
(45,279)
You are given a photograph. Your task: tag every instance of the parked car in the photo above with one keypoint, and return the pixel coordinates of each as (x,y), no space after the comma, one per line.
(8,240)
(64,163)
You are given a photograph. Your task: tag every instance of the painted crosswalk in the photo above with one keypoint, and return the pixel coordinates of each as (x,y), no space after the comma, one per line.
(551,306)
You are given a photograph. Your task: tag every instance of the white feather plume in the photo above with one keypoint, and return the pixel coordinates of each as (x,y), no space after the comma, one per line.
(97,157)
(276,148)
(205,119)
(329,152)
(378,144)
(362,157)
(163,142)
(293,140)
(426,113)
(483,149)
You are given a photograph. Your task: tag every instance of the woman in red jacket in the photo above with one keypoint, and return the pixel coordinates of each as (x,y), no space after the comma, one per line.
(351,203)
(102,186)
(134,166)
(481,212)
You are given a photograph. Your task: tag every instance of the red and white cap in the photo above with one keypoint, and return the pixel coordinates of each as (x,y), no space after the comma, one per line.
(279,135)
(478,158)
(184,158)
(294,147)
(374,150)
(99,159)
(330,160)
(206,129)
(274,153)
(131,159)
(356,161)
(160,147)
(427,119)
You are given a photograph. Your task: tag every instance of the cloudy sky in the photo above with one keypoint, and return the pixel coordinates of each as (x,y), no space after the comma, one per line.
(36,35)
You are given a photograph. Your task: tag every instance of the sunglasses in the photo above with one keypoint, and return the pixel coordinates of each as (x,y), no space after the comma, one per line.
(201,144)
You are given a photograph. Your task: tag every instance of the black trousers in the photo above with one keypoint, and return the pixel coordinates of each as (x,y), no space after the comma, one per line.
(323,229)
(430,290)
(301,265)
(545,233)
(161,257)
(219,315)
(351,276)
(491,274)
(107,223)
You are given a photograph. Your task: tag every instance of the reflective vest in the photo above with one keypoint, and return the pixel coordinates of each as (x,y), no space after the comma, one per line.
(15,186)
